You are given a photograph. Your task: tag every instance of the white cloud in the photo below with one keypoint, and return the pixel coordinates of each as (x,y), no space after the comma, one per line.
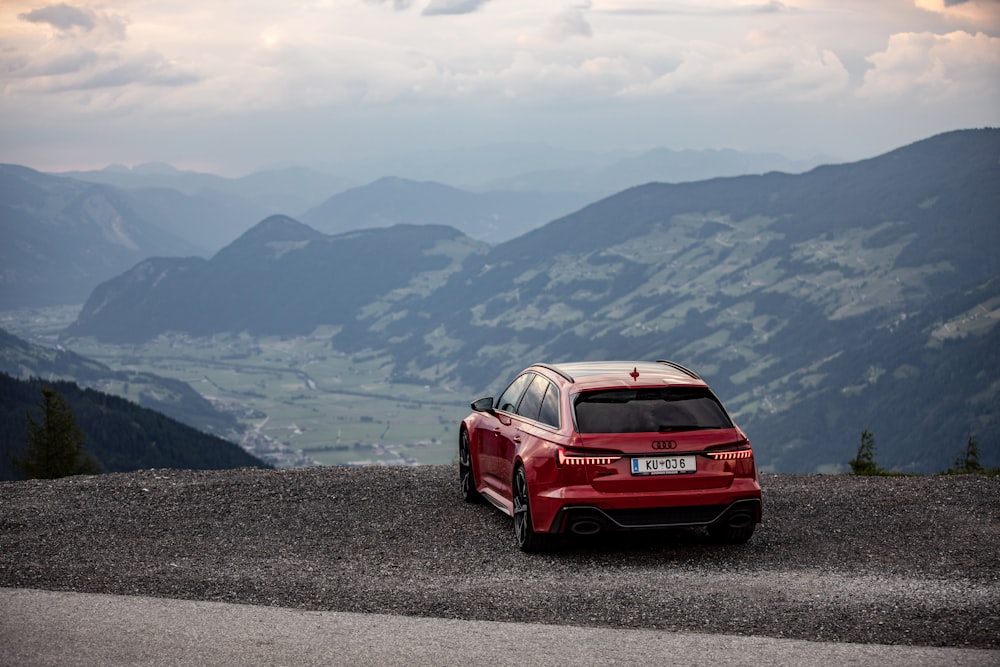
(59,55)
(717,8)
(533,80)
(68,21)
(61,17)
(979,14)
(569,22)
(922,66)
(396,4)
(439,7)
(620,63)
(732,75)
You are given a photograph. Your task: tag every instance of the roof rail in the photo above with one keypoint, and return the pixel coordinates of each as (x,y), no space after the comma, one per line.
(557,370)
(682,369)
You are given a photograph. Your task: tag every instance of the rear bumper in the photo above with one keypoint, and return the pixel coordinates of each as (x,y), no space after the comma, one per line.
(587,519)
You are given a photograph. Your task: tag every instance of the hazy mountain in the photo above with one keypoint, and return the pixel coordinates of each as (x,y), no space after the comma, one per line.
(210,211)
(659,164)
(60,237)
(208,221)
(285,190)
(851,297)
(488,216)
(531,167)
(120,435)
(475,168)
(280,277)
(492,193)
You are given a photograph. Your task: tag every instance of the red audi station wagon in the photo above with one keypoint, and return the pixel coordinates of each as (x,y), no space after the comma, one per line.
(606,446)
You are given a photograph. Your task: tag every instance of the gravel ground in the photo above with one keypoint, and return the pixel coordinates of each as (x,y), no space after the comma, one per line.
(890,560)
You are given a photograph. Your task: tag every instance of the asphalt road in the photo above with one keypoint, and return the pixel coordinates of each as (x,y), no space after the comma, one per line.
(53,628)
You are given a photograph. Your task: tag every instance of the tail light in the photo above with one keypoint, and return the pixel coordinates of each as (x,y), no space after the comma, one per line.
(578,467)
(567,459)
(741,454)
(730,456)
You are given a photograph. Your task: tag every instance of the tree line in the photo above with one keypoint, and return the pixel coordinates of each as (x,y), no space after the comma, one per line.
(966,462)
(55,447)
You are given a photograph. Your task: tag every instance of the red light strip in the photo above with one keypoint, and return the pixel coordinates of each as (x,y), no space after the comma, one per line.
(573,460)
(729,456)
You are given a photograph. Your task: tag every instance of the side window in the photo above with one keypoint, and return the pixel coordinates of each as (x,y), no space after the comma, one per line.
(532,401)
(540,402)
(511,395)
(550,407)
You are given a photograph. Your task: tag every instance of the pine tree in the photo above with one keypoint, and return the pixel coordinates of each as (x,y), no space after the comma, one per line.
(55,447)
(864,462)
(968,463)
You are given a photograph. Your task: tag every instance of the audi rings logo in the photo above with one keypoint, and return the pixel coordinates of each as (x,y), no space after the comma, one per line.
(664,444)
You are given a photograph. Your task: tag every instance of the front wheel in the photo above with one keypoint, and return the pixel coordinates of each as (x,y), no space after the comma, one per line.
(527,539)
(466,478)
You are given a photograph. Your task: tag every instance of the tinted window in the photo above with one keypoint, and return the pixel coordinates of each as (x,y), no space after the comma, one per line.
(509,398)
(649,410)
(549,413)
(532,401)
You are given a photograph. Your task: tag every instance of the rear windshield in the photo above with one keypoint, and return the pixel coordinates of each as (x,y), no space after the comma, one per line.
(662,409)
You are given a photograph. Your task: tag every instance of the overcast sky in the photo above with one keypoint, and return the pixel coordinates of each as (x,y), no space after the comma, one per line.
(233,86)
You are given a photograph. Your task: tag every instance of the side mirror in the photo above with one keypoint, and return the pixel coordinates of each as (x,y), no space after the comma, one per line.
(483,404)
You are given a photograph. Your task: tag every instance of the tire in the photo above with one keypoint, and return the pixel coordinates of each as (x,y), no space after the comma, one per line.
(723,534)
(524,533)
(466,478)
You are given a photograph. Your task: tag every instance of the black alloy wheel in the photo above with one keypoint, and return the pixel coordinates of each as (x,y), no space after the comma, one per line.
(465,476)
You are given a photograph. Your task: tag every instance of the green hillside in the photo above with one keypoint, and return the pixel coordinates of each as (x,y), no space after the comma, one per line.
(120,435)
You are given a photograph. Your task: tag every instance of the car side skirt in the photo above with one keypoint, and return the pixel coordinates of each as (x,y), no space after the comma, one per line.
(497,500)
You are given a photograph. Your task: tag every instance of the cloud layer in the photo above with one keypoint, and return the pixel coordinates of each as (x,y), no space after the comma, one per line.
(814,74)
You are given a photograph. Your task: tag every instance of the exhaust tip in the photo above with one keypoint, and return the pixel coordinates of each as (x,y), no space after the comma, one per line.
(740,520)
(586,527)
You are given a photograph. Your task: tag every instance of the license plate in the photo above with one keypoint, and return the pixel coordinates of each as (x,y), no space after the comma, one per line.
(664,465)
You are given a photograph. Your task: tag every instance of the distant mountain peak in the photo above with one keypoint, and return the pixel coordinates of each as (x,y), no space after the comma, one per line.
(278,228)
(155,168)
(407,185)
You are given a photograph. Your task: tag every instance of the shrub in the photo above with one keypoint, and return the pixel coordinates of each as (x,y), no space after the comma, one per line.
(864,462)
(967,462)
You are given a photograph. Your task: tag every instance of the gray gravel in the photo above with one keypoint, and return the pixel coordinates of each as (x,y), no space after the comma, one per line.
(899,560)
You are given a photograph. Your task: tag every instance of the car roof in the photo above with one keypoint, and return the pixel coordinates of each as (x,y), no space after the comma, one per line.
(588,374)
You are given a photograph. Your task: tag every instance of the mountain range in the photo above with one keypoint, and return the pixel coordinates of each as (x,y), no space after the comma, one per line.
(852,297)
(281,277)
(524,167)
(64,234)
(493,216)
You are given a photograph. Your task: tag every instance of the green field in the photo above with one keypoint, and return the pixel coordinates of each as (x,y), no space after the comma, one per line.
(336,409)
(298,391)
